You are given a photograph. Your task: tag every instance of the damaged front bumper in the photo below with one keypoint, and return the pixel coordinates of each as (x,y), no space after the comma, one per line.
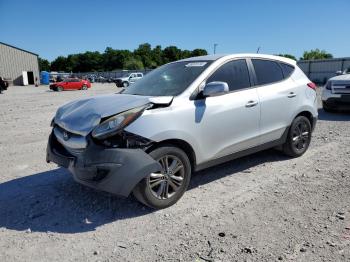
(114,170)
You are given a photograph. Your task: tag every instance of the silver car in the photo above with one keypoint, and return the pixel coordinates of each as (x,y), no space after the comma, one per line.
(183,117)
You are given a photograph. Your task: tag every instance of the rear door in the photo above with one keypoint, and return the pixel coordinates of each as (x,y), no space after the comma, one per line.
(278,95)
(230,122)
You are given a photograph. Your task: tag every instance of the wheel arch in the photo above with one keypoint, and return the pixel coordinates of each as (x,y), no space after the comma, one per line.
(309,116)
(183,145)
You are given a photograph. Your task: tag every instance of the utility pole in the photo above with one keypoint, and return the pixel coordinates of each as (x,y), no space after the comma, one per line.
(215,45)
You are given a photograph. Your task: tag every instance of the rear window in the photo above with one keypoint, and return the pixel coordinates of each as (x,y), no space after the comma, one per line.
(287,69)
(267,71)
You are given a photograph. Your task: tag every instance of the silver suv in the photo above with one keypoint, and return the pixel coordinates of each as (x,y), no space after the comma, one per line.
(183,117)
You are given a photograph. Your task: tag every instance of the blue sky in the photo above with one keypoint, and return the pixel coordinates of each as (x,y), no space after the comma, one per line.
(53,28)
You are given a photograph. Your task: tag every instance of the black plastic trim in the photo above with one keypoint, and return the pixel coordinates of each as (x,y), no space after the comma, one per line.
(114,170)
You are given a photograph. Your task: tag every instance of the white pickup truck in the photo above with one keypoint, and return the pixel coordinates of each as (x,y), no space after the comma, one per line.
(127,79)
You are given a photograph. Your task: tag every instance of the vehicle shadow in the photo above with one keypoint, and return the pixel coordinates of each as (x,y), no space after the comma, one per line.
(336,116)
(233,167)
(52,201)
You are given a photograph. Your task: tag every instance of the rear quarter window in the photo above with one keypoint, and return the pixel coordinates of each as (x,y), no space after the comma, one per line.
(287,69)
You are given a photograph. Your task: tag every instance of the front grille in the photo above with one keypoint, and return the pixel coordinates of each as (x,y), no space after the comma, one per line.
(72,142)
(341,88)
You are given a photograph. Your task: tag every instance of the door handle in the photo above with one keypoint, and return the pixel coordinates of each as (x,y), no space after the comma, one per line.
(292,94)
(251,103)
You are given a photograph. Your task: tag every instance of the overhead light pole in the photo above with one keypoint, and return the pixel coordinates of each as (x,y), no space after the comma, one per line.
(215,45)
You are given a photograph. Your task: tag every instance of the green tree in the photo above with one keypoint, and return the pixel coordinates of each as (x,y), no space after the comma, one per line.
(44,65)
(144,53)
(112,59)
(115,59)
(199,52)
(59,64)
(316,54)
(133,64)
(288,56)
(186,54)
(89,61)
(72,63)
(157,55)
(171,53)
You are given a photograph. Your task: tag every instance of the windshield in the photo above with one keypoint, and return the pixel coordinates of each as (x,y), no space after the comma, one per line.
(168,80)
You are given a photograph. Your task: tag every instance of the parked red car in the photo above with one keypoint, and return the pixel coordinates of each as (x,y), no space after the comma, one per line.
(71,84)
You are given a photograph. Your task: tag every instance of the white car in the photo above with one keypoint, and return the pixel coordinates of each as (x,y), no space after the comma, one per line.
(336,93)
(183,117)
(128,79)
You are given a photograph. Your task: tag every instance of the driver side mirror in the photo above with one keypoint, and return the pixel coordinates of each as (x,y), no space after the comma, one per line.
(215,89)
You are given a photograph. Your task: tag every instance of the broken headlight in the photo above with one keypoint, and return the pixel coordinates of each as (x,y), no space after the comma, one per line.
(116,123)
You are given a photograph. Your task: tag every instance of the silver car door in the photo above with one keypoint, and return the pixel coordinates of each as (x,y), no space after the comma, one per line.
(230,123)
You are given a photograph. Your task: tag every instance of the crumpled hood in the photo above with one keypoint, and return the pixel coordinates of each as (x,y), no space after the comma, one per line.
(82,116)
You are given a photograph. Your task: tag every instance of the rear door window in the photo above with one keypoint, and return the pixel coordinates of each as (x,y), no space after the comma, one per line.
(234,73)
(267,71)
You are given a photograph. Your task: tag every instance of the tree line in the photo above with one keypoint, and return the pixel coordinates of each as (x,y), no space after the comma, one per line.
(144,57)
(314,54)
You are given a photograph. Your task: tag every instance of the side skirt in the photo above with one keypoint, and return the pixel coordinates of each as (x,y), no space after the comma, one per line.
(245,152)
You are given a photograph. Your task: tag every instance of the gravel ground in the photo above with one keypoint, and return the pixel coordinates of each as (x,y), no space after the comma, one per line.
(264,207)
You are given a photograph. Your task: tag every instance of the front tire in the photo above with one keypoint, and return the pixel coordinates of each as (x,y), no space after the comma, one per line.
(327,108)
(125,84)
(165,188)
(298,138)
(84,87)
(59,89)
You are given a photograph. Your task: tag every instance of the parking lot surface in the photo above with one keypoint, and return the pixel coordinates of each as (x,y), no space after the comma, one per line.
(264,207)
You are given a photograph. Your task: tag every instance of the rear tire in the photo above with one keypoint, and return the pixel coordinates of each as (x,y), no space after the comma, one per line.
(125,84)
(163,189)
(59,89)
(298,138)
(84,87)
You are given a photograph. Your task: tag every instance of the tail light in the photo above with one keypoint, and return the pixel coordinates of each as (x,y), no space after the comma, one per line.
(312,85)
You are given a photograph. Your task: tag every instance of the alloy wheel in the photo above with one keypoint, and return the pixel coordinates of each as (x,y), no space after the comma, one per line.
(165,184)
(301,136)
